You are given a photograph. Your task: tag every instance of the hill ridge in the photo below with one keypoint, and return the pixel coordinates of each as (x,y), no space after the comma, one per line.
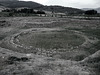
(34,5)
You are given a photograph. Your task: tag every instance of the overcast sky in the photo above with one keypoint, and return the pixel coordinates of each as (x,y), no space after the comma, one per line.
(71,3)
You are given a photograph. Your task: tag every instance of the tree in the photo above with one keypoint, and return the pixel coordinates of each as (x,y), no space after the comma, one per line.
(40,12)
(91,12)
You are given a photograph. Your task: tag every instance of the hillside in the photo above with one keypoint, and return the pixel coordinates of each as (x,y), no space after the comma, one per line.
(9,0)
(61,9)
(17,4)
(34,5)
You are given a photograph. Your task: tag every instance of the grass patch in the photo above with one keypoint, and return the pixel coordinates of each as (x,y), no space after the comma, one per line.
(51,39)
(90,33)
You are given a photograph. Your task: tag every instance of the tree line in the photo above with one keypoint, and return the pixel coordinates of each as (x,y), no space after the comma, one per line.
(24,10)
(91,12)
(32,12)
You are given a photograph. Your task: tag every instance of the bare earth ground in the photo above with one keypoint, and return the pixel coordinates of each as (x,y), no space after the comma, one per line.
(49,46)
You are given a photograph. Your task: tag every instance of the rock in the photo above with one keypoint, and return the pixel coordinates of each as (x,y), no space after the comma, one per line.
(13,59)
(24,59)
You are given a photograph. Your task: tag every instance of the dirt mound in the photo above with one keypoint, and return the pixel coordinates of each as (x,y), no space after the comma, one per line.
(30,64)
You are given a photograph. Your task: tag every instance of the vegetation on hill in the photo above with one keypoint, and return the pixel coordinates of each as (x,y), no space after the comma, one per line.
(61,9)
(34,5)
(97,9)
(21,12)
(91,12)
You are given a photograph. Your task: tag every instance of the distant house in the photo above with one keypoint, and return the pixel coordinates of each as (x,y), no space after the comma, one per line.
(59,14)
(53,14)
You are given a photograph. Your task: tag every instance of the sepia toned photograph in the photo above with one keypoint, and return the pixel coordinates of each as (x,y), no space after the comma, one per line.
(49,37)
